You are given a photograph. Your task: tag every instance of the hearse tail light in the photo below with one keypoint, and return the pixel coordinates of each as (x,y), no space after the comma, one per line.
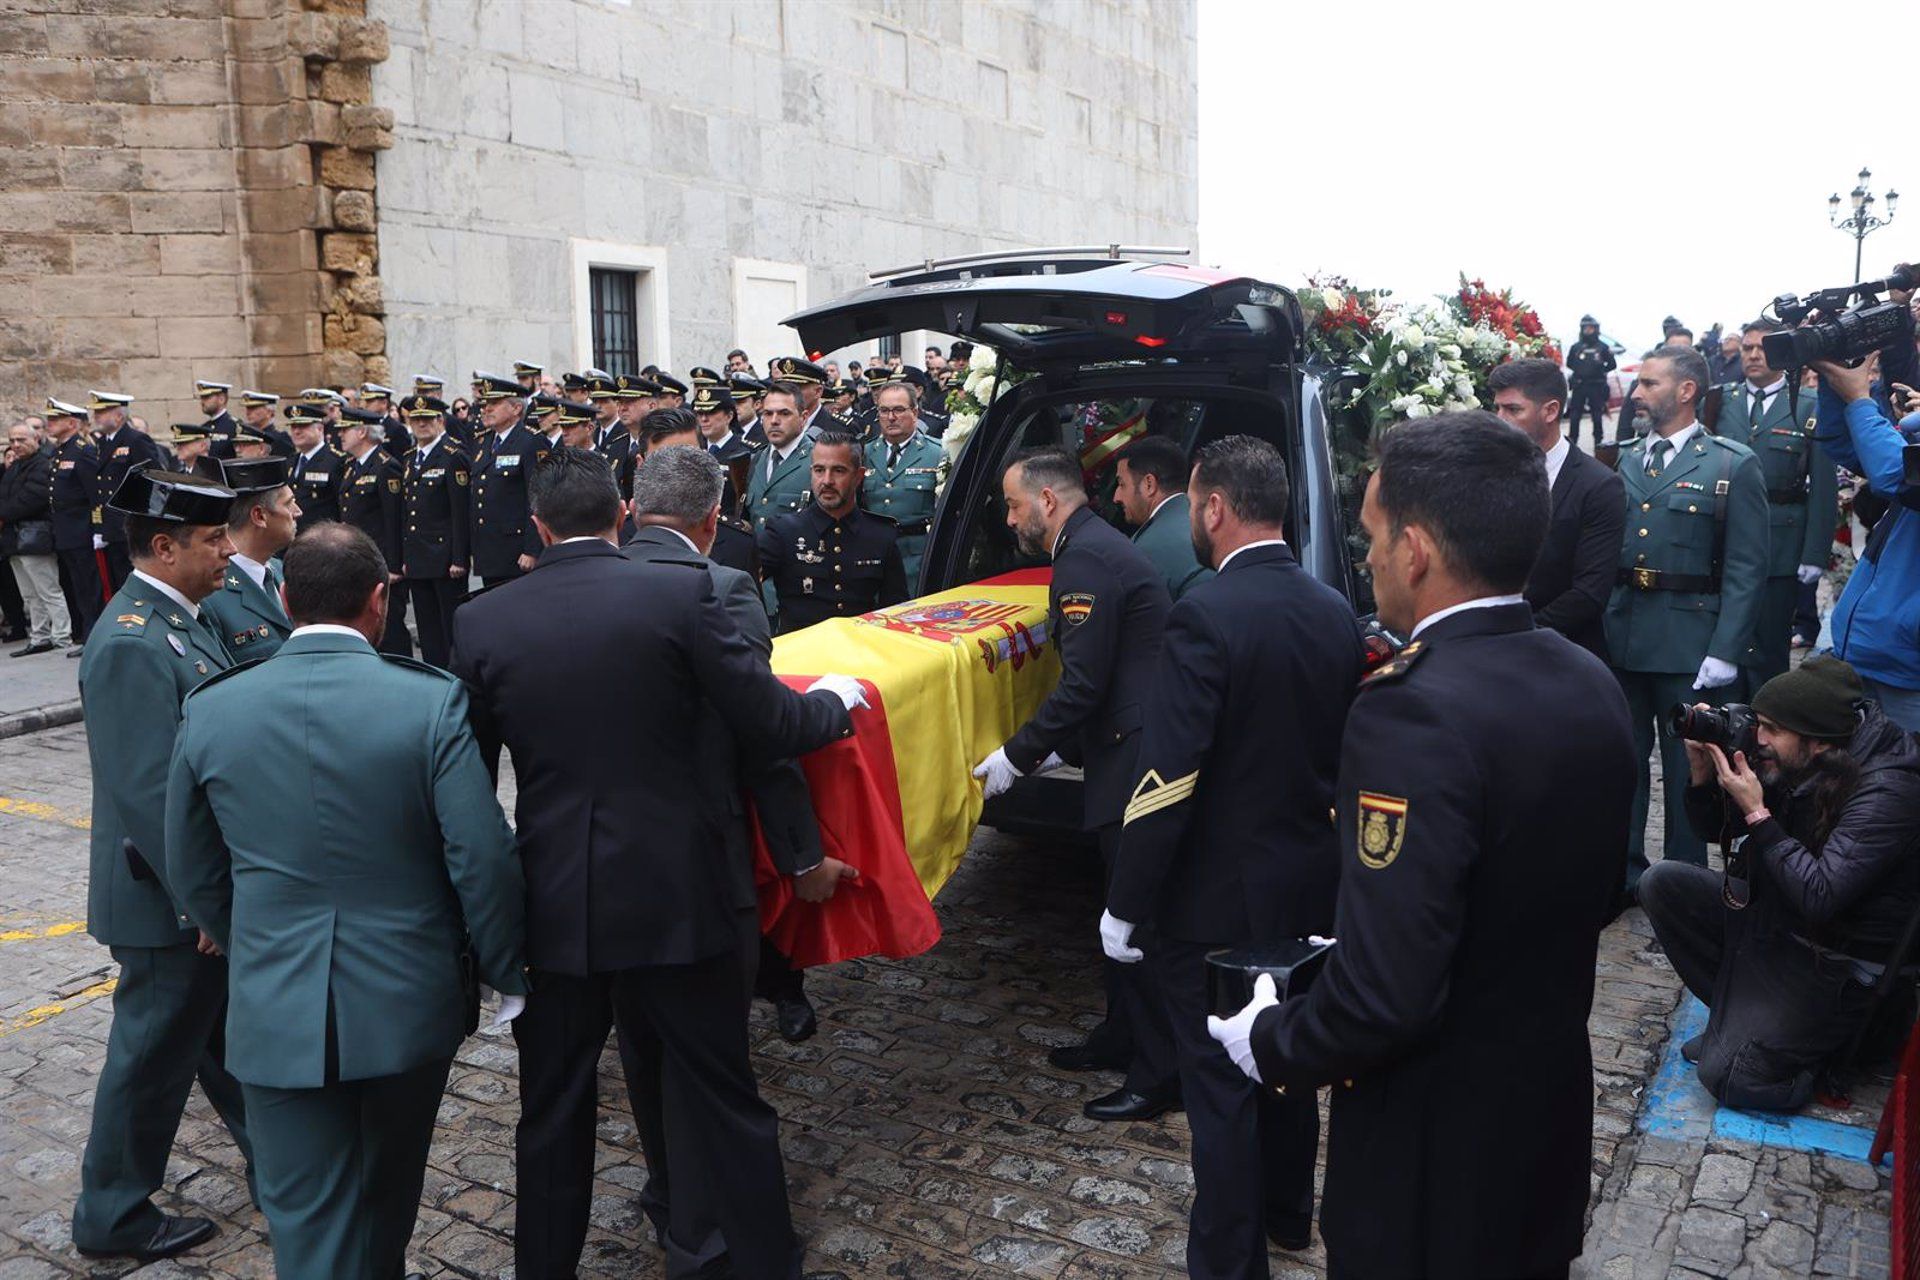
(1146,341)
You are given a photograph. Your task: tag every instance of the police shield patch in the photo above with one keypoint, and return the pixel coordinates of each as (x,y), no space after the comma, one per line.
(1076,607)
(1382,828)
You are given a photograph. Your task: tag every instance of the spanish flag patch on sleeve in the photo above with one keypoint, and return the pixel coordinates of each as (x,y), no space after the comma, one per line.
(1382,829)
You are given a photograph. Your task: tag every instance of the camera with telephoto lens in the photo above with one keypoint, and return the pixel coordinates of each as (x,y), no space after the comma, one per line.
(1731,728)
(1840,329)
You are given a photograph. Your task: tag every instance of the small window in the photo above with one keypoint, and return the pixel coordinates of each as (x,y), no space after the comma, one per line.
(615,309)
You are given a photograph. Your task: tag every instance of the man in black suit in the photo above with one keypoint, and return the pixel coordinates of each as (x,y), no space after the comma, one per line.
(733,544)
(1573,578)
(1451,1016)
(1222,849)
(121,449)
(630,914)
(1107,607)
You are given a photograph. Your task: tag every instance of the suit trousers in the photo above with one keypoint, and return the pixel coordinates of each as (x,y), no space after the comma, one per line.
(80,578)
(1772,632)
(1650,695)
(1584,398)
(1253,1149)
(1136,1029)
(168,1007)
(433,602)
(718,1131)
(341,1168)
(39,581)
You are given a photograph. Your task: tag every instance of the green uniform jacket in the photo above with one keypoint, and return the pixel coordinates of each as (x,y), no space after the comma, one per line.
(1670,529)
(252,623)
(790,489)
(144,656)
(1167,540)
(1795,468)
(338,858)
(906,493)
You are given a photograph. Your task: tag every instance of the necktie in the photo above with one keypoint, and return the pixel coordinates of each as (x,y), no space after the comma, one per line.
(1756,408)
(893,456)
(272,584)
(1657,456)
(219,641)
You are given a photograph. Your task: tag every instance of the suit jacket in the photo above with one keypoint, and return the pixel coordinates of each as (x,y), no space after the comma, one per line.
(501,506)
(74,487)
(318,485)
(616,830)
(370,501)
(1226,838)
(341,880)
(1803,486)
(142,659)
(1452,1015)
(1573,577)
(252,623)
(778,787)
(1106,608)
(1167,540)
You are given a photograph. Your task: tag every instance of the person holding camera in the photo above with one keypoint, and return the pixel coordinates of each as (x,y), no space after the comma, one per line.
(1877,617)
(1826,791)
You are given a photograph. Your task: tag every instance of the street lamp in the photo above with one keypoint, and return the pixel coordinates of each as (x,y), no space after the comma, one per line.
(1861,222)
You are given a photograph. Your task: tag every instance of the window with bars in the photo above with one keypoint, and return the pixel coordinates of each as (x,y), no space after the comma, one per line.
(616,328)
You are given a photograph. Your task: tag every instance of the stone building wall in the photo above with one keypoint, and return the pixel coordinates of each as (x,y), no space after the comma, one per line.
(705,141)
(187,191)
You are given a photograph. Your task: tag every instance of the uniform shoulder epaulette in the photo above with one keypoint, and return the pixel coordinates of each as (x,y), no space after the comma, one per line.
(133,621)
(736,524)
(1394,667)
(1732,446)
(402,660)
(220,675)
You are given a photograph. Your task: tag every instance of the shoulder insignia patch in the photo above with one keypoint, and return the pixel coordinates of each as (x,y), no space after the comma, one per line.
(1076,607)
(131,620)
(460,478)
(1382,828)
(1396,666)
(393,485)
(399,660)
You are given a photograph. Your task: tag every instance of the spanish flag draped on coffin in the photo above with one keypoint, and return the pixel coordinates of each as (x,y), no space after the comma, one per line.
(949,677)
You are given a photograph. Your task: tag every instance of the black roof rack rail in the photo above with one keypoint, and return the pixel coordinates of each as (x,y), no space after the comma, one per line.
(1114,251)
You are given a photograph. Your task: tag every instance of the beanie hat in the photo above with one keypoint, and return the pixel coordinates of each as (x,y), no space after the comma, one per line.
(1818,700)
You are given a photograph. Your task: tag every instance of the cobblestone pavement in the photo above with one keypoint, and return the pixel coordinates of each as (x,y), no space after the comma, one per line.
(925,1135)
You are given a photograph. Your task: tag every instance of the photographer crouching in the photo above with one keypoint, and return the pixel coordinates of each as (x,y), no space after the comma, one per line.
(1826,791)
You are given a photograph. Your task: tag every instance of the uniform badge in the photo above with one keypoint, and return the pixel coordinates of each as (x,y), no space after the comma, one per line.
(1383,826)
(1076,607)
(460,478)
(393,485)
(131,620)
(806,586)
(173,642)
(200,668)
(262,632)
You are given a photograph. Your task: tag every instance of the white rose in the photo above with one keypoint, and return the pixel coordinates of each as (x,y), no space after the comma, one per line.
(1400,358)
(983,390)
(1418,410)
(1463,387)
(1450,350)
(1331,299)
(984,359)
(1400,404)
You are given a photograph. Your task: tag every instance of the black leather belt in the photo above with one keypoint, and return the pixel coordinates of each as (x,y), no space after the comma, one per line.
(1786,497)
(1655,580)
(915,526)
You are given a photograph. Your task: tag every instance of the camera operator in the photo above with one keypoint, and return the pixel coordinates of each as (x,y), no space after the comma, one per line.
(1832,824)
(1875,622)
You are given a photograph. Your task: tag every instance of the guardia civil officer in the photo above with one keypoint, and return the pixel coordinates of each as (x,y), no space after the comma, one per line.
(345,954)
(503,538)
(1150,484)
(1450,1154)
(370,501)
(149,649)
(122,451)
(778,481)
(1221,849)
(1107,608)
(318,471)
(433,544)
(908,469)
(1802,494)
(1693,567)
(247,609)
(831,559)
(76,515)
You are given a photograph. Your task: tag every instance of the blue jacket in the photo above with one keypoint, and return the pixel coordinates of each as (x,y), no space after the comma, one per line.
(1876,625)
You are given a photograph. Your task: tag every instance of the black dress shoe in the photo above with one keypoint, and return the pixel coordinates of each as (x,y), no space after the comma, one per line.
(794,1016)
(41,646)
(1291,1234)
(1125,1104)
(1083,1057)
(1691,1049)
(174,1235)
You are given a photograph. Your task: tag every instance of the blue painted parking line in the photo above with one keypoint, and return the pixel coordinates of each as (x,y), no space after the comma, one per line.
(1677,1106)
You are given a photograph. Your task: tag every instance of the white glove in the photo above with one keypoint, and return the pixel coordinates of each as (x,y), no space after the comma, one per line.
(997,771)
(845,688)
(1114,939)
(1052,762)
(1715,674)
(99,543)
(1810,573)
(1235,1034)
(511,1007)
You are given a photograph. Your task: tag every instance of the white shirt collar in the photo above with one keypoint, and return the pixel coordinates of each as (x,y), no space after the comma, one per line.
(253,569)
(1484,602)
(1556,458)
(580,537)
(1678,439)
(308,455)
(327,629)
(1264,542)
(1769,391)
(193,610)
(1163,502)
(362,457)
(667,528)
(426,449)
(723,441)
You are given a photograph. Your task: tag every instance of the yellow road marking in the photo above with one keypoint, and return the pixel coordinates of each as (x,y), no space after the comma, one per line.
(45,813)
(46,1012)
(51,931)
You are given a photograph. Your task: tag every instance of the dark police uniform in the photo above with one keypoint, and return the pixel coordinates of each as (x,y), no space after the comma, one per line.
(319,480)
(74,490)
(124,451)
(503,528)
(819,567)
(1106,611)
(1451,1017)
(1589,361)
(1220,849)
(370,501)
(434,537)
(220,435)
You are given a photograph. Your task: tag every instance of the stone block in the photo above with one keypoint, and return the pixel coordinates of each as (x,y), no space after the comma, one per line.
(362,41)
(199,337)
(362,335)
(254,39)
(23,34)
(290,293)
(344,169)
(36,255)
(178,211)
(368,137)
(28,211)
(104,338)
(176,169)
(290,209)
(25,337)
(183,296)
(342,368)
(340,251)
(324,123)
(286,335)
(314,36)
(190,83)
(279,253)
(163,39)
(340,82)
(29,167)
(116,255)
(364,295)
(267,82)
(16,124)
(122,82)
(186,255)
(535,112)
(274,168)
(49,80)
(158,126)
(380,370)
(354,211)
(288,369)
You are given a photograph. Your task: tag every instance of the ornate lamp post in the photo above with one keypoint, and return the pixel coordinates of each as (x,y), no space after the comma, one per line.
(1861,222)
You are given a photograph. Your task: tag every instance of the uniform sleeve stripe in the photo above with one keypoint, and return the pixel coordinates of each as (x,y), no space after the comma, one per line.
(1147,801)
